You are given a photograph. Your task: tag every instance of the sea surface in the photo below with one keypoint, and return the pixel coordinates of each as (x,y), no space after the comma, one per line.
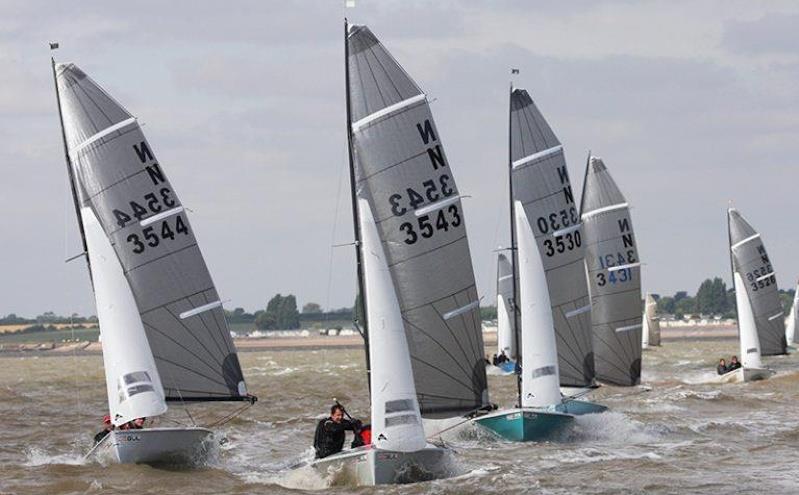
(675,435)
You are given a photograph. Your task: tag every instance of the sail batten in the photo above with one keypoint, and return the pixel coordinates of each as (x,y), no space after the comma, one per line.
(402,172)
(752,263)
(120,180)
(614,280)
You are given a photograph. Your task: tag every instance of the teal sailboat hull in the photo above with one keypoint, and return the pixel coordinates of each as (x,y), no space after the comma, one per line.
(526,425)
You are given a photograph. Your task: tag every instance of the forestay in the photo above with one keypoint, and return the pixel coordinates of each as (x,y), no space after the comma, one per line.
(120,180)
(506,328)
(541,182)
(614,277)
(403,173)
(750,260)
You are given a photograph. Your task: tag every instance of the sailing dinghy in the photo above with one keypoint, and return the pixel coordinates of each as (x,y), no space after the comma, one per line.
(651,333)
(614,277)
(791,336)
(506,341)
(423,329)
(164,334)
(760,317)
(553,316)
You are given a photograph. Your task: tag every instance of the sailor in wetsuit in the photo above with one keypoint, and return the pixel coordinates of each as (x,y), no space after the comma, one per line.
(722,367)
(330,432)
(734,364)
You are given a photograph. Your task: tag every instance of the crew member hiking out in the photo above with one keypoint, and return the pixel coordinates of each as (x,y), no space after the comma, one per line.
(330,432)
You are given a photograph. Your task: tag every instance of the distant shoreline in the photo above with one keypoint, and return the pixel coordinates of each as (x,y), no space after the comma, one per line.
(320,342)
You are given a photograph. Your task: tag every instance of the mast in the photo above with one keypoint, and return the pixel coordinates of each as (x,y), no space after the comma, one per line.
(732,269)
(355,216)
(514,253)
(585,180)
(70,171)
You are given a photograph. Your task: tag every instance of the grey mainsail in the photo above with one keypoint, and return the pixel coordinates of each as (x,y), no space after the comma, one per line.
(402,171)
(750,260)
(541,183)
(614,277)
(119,178)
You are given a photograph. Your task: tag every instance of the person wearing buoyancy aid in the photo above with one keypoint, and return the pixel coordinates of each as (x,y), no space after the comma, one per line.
(331,432)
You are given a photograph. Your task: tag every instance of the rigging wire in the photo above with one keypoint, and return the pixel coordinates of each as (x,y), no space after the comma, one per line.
(333,240)
(75,366)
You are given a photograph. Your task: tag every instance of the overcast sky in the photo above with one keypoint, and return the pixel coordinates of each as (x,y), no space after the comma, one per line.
(691,104)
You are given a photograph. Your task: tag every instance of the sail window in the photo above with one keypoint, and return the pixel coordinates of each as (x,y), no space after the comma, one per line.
(740,243)
(535,156)
(200,309)
(543,371)
(401,405)
(134,383)
(389,110)
(617,206)
(623,267)
(628,328)
(436,206)
(578,311)
(405,419)
(138,389)
(161,216)
(135,377)
(461,310)
(102,134)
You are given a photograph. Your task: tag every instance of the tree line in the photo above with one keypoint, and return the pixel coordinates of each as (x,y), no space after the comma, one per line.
(713,297)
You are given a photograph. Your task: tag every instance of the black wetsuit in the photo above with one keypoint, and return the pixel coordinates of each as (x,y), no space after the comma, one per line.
(733,366)
(100,436)
(721,369)
(329,436)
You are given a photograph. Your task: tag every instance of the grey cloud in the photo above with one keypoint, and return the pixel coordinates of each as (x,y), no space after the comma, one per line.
(244,107)
(770,34)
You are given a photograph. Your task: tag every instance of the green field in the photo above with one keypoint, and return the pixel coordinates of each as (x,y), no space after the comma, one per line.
(82,334)
(92,334)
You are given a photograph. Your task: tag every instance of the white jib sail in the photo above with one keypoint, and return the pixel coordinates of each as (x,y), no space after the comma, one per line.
(747,331)
(790,325)
(396,421)
(504,328)
(651,330)
(540,375)
(132,381)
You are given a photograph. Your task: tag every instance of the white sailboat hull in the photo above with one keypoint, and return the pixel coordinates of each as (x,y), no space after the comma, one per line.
(743,375)
(369,466)
(160,446)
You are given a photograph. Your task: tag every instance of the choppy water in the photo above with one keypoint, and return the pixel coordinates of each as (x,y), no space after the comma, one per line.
(681,437)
